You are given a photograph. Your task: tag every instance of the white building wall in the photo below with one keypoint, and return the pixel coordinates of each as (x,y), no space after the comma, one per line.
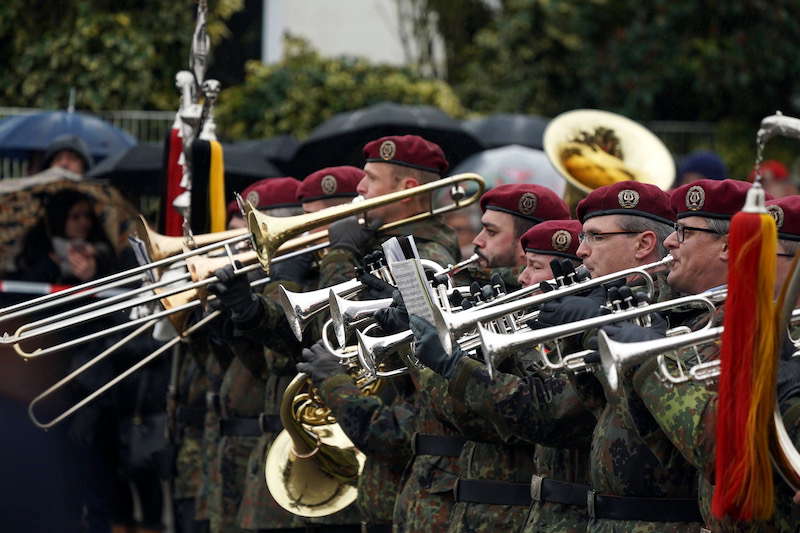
(366,28)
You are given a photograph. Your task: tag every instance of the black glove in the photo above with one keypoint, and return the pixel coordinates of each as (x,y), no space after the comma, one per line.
(628,332)
(295,269)
(428,348)
(394,318)
(319,363)
(571,308)
(348,234)
(788,381)
(234,294)
(376,288)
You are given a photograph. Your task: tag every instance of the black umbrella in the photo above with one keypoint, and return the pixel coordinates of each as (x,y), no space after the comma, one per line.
(504,129)
(138,169)
(340,140)
(278,150)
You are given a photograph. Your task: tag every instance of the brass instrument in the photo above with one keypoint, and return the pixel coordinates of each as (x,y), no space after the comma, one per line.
(312,468)
(591,148)
(500,343)
(269,232)
(452,325)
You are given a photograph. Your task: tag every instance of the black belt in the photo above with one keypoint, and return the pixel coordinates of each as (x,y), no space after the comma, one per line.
(522,494)
(644,509)
(493,492)
(554,491)
(194,417)
(438,445)
(250,427)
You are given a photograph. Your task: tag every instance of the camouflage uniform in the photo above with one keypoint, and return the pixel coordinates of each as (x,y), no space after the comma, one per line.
(381,427)
(190,399)
(630,456)
(686,412)
(544,411)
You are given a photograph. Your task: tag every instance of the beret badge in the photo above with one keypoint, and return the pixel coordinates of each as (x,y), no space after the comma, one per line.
(776,212)
(628,198)
(387,150)
(695,198)
(561,240)
(253,198)
(527,203)
(329,184)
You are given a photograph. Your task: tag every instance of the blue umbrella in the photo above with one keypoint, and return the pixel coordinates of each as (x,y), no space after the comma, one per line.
(22,134)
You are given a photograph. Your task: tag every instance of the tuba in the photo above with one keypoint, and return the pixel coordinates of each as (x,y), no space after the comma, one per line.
(312,468)
(592,148)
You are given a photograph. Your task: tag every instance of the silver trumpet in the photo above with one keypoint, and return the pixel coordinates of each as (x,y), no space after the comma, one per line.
(347,314)
(500,343)
(452,325)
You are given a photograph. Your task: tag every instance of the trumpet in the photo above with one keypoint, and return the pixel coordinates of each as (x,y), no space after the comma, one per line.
(499,343)
(267,233)
(452,325)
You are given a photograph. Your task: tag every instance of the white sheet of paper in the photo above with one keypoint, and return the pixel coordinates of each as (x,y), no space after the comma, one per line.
(413,285)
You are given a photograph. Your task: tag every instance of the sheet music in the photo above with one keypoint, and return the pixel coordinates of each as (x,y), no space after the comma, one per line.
(413,285)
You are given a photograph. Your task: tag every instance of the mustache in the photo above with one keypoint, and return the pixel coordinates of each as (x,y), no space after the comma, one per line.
(477,251)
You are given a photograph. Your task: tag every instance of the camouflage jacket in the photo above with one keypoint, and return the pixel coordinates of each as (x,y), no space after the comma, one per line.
(623,461)
(542,410)
(381,426)
(191,394)
(686,412)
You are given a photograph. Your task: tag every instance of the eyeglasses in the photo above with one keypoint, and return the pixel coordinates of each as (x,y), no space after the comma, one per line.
(680,231)
(785,255)
(592,237)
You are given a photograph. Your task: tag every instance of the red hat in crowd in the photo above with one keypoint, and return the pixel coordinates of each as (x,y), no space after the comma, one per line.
(331,182)
(710,198)
(786,212)
(627,198)
(525,200)
(409,151)
(771,168)
(553,237)
(270,193)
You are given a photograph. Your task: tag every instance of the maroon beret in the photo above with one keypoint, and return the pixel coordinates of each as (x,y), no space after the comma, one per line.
(270,193)
(553,237)
(786,212)
(331,182)
(525,200)
(408,151)
(710,198)
(627,198)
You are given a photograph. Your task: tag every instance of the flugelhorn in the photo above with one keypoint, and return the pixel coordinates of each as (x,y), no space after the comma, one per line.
(452,325)
(500,343)
(268,233)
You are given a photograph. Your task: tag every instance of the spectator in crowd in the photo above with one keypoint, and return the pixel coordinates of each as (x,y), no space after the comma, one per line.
(775,179)
(698,165)
(69,152)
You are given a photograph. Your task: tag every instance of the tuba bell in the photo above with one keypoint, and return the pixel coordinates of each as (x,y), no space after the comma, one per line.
(312,468)
(591,148)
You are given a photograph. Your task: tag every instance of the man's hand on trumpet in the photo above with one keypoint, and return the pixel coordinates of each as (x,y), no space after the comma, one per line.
(319,364)
(349,234)
(428,348)
(234,295)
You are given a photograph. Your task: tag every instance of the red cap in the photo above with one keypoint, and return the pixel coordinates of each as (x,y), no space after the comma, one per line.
(786,212)
(408,151)
(331,182)
(777,169)
(270,193)
(627,198)
(553,237)
(710,198)
(525,200)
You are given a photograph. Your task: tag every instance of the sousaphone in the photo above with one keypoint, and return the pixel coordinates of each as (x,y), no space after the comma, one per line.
(592,148)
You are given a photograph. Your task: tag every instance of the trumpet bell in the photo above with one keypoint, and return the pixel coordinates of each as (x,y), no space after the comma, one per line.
(640,155)
(298,484)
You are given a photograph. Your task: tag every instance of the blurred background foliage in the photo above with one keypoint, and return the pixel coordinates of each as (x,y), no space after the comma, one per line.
(729,63)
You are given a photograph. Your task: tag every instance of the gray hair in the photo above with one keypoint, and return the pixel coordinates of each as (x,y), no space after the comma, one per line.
(640,224)
(718,225)
(789,247)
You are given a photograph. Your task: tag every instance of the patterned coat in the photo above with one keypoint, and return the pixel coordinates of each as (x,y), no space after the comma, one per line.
(381,427)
